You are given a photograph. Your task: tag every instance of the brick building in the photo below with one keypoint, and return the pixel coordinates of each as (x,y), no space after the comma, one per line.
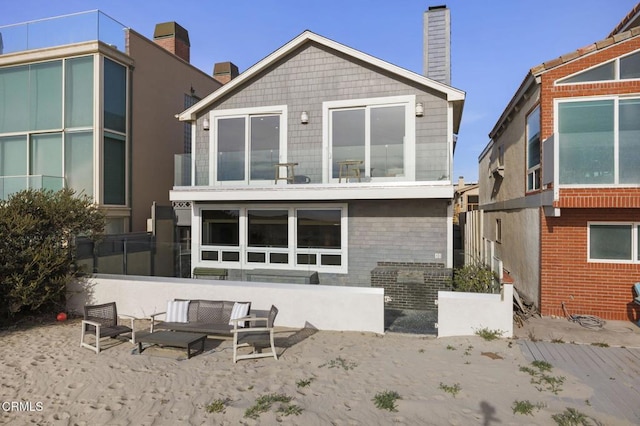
(560,180)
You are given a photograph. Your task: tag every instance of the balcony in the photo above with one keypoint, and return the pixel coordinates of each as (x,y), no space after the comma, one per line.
(62,30)
(302,187)
(11,184)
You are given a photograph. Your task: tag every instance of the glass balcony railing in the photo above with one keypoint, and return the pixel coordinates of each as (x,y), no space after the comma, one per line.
(182,170)
(62,30)
(12,184)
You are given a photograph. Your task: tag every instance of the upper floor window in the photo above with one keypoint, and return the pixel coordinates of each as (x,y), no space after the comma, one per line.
(599,141)
(533,150)
(247,144)
(623,68)
(377,135)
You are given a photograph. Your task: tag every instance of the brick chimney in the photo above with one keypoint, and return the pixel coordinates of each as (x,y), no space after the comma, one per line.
(224,72)
(173,38)
(437,44)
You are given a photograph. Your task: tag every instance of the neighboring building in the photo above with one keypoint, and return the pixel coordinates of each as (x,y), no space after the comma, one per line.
(89,104)
(560,181)
(333,111)
(466,197)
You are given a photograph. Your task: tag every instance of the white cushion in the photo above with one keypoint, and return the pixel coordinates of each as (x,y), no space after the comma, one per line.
(177,311)
(239,310)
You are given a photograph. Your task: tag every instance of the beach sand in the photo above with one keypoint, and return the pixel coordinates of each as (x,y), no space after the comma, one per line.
(332,378)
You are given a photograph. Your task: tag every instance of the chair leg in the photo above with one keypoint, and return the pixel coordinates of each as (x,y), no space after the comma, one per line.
(235,347)
(273,346)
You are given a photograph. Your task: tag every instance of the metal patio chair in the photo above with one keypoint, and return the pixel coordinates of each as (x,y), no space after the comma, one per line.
(102,321)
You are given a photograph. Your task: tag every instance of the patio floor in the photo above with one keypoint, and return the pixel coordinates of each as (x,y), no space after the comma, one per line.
(410,321)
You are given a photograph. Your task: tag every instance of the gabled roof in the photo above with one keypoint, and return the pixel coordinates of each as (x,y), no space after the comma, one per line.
(452,94)
(540,69)
(631,20)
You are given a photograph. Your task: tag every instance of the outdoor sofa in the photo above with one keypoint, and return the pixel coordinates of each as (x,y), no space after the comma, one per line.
(211,317)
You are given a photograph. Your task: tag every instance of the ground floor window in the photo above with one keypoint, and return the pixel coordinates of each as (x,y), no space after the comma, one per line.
(269,236)
(614,242)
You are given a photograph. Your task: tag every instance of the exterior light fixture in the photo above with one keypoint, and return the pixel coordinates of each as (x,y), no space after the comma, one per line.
(304,117)
(419,109)
(205,124)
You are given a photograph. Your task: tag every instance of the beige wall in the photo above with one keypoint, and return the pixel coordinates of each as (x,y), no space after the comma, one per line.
(159,81)
(504,199)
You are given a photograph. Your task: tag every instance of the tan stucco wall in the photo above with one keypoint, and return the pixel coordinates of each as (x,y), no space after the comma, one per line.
(159,82)
(504,198)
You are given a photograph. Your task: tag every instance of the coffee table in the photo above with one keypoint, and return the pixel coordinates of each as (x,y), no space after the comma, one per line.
(178,339)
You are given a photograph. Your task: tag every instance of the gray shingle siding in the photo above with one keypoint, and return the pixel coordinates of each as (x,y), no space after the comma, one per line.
(315,74)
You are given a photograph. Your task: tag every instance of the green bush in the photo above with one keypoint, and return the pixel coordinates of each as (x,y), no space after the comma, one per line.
(475,278)
(38,231)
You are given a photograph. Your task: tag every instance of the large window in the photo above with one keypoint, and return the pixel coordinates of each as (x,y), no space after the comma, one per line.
(376,132)
(48,109)
(614,242)
(115,140)
(533,150)
(248,143)
(599,142)
(296,237)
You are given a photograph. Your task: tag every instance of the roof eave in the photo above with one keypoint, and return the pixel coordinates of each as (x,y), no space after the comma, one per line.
(452,94)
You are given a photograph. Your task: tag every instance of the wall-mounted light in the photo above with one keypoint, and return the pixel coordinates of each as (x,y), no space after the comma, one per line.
(304,117)
(419,109)
(205,124)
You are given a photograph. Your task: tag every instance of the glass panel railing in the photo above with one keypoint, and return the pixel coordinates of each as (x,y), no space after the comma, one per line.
(182,170)
(12,184)
(62,30)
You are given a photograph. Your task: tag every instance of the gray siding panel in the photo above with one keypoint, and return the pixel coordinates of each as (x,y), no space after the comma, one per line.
(315,74)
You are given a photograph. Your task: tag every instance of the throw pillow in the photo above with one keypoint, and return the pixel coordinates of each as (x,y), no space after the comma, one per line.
(239,310)
(177,311)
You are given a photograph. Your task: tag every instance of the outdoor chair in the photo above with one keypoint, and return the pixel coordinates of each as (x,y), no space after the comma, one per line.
(260,338)
(102,321)
(636,290)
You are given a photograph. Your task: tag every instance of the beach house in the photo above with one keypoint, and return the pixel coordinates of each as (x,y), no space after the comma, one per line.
(321,162)
(88,103)
(560,181)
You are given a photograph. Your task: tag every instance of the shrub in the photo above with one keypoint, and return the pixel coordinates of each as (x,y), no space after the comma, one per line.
(38,231)
(475,278)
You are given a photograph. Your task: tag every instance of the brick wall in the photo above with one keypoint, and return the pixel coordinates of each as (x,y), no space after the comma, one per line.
(411,285)
(601,289)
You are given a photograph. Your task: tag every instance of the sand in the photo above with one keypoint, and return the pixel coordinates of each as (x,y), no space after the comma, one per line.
(331,377)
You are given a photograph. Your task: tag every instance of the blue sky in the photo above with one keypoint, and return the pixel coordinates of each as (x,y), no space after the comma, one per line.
(494,42)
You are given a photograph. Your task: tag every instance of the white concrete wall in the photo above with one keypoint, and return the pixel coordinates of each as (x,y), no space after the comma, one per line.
(462,314)
(322,307)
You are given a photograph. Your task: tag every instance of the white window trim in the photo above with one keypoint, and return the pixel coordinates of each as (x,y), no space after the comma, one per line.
(616,77)
(291,250)
(537,167)
(634,243)
(616,144)
(214,115)
(410,133)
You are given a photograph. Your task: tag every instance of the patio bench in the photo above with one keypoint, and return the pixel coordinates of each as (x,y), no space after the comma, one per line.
(211,317)
(212,273)
(283,276)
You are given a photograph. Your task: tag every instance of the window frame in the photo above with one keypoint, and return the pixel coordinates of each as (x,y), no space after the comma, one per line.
(409,148)
(616,140)
(534,173)
(246,114)
(616,66)
(635,242)
(292,250)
